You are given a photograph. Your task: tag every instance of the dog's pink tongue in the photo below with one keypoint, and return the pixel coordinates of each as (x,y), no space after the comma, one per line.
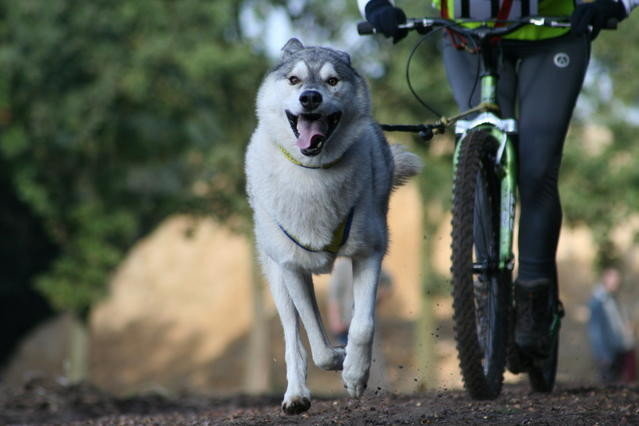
(308,130)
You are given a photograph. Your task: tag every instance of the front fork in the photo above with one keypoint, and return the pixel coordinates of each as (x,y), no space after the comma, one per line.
(506,166)
(506,170)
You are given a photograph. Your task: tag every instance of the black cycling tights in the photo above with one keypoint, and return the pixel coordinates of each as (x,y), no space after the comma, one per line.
(539,82)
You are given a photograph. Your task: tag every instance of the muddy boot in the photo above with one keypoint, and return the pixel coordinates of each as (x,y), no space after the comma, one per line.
(533,316)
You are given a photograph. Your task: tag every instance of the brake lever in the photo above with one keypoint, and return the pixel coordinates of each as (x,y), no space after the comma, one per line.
(421,28)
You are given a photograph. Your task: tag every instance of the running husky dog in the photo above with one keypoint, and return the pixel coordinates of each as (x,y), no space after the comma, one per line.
(319,175)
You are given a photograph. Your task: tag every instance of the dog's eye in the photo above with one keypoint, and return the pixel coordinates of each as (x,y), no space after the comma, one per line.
(293,80)
(332,81)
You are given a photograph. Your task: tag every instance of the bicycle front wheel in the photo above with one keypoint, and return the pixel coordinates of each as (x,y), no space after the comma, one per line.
(481,290)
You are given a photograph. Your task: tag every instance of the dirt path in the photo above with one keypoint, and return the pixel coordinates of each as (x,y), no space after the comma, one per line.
(53,403)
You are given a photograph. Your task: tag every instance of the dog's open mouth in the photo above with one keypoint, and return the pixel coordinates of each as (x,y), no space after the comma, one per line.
(312,130)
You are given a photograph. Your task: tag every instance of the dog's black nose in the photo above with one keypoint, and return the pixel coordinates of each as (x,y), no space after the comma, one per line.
(310,99)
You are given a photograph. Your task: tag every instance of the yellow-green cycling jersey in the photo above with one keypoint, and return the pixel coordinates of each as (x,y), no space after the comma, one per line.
(510,9)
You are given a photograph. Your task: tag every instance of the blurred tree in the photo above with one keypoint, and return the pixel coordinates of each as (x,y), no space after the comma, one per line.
(114,114)
(600,178)
(26,251)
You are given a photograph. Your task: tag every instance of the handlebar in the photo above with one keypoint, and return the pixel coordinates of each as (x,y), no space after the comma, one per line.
(424,25)
(483,33)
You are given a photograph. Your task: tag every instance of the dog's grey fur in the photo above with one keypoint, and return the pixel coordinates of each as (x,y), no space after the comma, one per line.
(291,193)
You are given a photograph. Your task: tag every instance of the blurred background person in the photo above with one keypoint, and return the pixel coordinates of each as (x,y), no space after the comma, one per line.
(340,311)
(610,331)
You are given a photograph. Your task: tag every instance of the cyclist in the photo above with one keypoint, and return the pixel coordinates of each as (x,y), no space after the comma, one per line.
(541,73)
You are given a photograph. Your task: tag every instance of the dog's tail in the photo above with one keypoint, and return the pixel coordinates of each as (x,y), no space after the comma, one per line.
(406,164)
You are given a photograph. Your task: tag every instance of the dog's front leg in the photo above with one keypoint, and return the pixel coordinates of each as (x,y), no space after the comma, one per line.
(360,334)
(300,289)
(297,398)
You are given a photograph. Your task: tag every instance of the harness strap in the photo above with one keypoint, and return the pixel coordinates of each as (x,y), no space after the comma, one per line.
(457,40)
(505,10)
(293,160)
(443,9)
(465,8)
(494,7)
(499,12)
(340,236)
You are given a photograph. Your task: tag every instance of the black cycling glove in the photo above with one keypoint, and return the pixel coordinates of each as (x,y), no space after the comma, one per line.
(596,14)
(385,18)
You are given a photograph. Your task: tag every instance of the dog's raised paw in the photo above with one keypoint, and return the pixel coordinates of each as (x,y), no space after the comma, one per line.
(339,355)
(296,405)
(334,360)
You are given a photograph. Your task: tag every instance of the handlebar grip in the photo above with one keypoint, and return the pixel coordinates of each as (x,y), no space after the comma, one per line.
(365,28)
(611,24)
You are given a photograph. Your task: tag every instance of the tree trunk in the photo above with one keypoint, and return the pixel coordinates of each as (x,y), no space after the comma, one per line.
(77,362)
(426,353)
(258,358)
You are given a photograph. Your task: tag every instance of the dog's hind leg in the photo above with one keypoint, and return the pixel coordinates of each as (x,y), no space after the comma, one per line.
(360,334)
(297,398)
(300,289)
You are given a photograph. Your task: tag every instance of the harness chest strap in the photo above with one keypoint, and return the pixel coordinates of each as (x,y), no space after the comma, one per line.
(340,235)
(339,238)
(293,160)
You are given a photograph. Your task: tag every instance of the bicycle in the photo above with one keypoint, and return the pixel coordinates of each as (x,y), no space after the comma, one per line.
(483,216)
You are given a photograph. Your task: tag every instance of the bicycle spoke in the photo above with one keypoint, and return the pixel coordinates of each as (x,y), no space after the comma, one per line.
(484,232)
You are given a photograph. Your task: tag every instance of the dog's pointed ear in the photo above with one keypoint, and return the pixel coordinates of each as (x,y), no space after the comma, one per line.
(291,46)
(343,56)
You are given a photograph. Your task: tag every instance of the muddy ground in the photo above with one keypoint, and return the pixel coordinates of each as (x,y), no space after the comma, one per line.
(48,402)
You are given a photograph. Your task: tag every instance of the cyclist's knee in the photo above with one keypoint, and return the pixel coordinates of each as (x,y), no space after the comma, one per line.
(538,177)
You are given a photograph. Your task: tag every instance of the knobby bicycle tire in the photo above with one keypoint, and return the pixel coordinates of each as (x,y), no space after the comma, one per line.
(481,296)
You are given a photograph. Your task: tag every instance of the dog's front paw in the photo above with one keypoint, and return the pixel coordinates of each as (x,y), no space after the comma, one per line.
(355,374)
(296,405)
(355,388)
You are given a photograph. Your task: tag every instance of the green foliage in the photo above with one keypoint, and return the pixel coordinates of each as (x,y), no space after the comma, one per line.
(599,179)
(115,114)
(617,51)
